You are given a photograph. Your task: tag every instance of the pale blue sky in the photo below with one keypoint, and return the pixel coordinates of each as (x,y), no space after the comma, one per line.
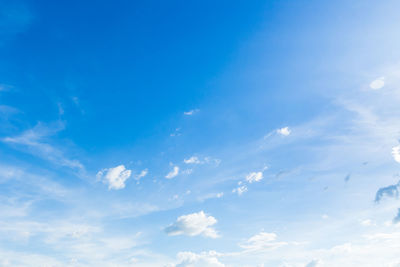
(208,133)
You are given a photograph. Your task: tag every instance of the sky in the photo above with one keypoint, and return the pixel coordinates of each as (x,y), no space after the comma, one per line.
(199,133)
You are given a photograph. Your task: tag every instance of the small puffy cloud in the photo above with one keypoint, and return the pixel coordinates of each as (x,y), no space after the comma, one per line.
(397,218)
(378,83)
(191,112)
(204,259)
(193,224)
(396,153)
(173,173)
(114,177)
(240,190)
(284,131)
(390,191)
(192,160)
(262,241)
(254,177)
(142,174)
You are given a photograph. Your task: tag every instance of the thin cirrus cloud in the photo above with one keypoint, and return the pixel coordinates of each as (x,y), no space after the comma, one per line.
(173,173)
(193,224)
(114,177)
(191,112)
(35,142)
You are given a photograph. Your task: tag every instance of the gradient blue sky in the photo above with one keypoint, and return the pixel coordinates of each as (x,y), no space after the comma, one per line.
(199,133)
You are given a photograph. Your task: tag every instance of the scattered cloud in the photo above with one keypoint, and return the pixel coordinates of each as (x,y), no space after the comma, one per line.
(240,190)
(191,112)
(114,177)
(142,174)
(192,160)
(173,173)
(204,259)
(377,84)
(284,131)
(205,160)
(396,153)
(390,191)
(193,224)
(254,177)
(262,241)
(176,132)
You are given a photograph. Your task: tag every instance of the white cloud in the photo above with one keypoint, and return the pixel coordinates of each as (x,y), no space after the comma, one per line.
(34,142)
(262,241)
(254,177)
(191,112)
(204,259)
(142,174)
(193,224)
(115,177)
(240,190)
(396,153)
(192,160)
(284,131)
(378,83)
(173,173)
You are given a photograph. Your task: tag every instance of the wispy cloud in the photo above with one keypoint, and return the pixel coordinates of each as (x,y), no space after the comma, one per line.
(173,173)
(34,142)
(191,112)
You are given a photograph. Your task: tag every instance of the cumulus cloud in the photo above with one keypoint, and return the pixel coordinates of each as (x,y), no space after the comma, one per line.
(191,112)
(204,259)
(254,177)
(193,224)
(114,177)
(396,153)
(378,83)
(284,131)
(390,191)
(173,173)
(262,241)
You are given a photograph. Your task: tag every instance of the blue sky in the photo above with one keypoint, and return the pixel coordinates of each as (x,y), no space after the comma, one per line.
(199,133)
